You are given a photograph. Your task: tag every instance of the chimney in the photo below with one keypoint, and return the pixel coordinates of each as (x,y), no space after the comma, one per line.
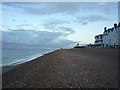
(115,25)
(105,29)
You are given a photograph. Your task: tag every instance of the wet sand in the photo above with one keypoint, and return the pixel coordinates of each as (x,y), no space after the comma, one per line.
(66,68)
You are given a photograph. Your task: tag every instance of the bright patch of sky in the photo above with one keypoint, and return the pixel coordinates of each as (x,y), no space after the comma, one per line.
(59,23)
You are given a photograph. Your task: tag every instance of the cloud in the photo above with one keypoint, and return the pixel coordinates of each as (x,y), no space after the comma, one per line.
(52,23)
(54,8)
(41,39)
(66,30)
(103,7)
(4,26)
(47,8)
(92,18)
(84,23)
(108,7)
(23,26)
(27,27)
(58,26)
(13,20)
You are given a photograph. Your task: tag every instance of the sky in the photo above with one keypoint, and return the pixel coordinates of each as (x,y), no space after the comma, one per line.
(56,24)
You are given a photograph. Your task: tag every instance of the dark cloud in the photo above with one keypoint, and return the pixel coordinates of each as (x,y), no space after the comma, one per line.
(42,39)
(92,18)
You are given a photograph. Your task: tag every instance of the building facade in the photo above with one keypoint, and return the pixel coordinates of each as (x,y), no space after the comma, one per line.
(99,40)
(109,38)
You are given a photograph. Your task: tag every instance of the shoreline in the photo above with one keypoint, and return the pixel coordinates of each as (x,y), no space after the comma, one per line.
(66,68)
(11,66)
(8,68)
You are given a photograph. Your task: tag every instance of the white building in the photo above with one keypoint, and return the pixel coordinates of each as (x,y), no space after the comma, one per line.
(109,38)
(99,40)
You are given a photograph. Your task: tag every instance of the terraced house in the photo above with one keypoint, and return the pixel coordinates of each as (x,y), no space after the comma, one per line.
(109,38)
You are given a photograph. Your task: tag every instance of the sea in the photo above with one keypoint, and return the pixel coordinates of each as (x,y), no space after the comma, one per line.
(12,57)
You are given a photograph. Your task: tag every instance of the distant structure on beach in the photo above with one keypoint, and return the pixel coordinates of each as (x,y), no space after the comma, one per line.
(109,38)
(77,46)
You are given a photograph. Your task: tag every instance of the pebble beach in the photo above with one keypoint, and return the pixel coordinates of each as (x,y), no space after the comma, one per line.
(66,68)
